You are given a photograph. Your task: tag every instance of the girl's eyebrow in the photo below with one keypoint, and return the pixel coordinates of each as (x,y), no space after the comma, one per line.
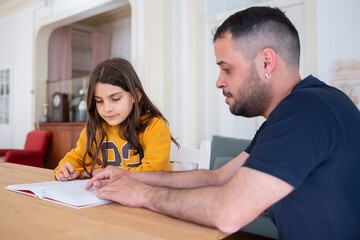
(110,95)
(116,93)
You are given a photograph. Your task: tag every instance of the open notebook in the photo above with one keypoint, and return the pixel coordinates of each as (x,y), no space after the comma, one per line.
(70,193)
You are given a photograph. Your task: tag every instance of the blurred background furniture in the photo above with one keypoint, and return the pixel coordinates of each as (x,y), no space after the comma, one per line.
(223,149)
(64,138)
(34,150)
(184,158)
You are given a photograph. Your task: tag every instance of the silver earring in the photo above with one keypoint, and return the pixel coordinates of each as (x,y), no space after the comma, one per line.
(267,75)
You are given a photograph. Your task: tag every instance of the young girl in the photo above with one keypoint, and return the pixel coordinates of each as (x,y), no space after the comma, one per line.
(123,127)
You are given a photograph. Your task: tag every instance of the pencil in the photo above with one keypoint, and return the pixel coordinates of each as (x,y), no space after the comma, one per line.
(80,168)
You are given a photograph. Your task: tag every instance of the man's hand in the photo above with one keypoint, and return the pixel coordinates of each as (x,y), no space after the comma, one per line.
(106,176)
(126,191)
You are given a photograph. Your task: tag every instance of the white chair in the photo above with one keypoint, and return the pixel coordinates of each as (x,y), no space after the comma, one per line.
(186,158)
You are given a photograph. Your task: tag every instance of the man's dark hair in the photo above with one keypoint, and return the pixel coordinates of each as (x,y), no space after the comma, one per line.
(256,28)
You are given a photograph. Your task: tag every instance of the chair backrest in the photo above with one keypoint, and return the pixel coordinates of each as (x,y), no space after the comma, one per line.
(224,149)
(37,140)
(186,158)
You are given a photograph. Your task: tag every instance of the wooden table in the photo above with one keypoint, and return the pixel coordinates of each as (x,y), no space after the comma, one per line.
(27,217)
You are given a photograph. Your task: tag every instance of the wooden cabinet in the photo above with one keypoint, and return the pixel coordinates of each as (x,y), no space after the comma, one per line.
(64,138)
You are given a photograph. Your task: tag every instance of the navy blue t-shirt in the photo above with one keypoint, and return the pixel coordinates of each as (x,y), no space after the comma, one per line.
(312,141)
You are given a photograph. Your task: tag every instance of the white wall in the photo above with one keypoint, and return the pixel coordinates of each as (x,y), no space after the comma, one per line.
(120,31)
(16,44)
(338,34)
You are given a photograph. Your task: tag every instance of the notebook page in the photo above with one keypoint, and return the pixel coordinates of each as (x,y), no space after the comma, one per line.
(69,192)
(73,193)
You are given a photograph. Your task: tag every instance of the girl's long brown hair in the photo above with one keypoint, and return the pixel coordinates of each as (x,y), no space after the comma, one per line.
(117,72)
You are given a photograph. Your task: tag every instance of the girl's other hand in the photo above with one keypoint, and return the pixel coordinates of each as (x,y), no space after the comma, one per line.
(85,175)
(68,172)
(96,171)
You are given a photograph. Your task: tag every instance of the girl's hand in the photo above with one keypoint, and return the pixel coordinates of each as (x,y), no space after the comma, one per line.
(68,172)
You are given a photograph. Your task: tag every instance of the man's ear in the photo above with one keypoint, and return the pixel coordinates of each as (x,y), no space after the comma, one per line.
(269,60)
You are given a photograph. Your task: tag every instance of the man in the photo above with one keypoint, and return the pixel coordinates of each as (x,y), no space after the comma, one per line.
(302,165)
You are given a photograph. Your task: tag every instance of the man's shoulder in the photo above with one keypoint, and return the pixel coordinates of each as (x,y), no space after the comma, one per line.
(313,87)
(310,100)
(314,93)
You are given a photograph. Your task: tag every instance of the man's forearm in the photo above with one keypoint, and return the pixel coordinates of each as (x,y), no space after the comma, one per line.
(176,203)
(228,207)
(192,179)
(188,179)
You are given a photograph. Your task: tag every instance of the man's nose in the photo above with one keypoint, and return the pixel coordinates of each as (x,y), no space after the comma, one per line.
(220,83)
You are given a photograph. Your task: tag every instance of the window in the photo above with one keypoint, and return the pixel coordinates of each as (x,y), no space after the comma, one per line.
(5,96)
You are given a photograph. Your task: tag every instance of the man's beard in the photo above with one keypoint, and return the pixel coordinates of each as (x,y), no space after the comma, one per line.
(254,98)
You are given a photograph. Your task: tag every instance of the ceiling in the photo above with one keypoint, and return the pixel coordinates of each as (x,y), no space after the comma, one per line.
(109,16)
(8,7)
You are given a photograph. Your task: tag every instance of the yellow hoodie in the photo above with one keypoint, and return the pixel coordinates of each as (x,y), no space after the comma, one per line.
(156,142)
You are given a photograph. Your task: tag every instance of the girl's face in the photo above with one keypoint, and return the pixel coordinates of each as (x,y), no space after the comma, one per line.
(113,103)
